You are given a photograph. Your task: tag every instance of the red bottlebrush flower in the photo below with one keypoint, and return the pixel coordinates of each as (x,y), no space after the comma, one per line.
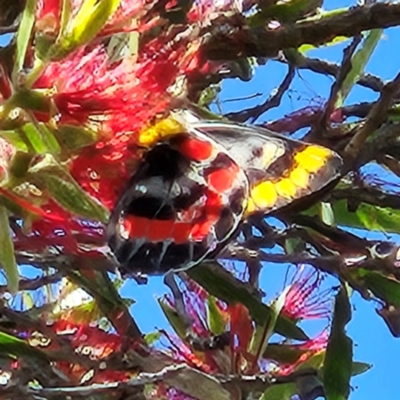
(302,300)
(88,341)
(233,354)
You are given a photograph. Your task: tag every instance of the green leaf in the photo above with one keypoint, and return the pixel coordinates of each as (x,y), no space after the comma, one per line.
(7,256)
(31,100)
(151,338)
(366,216)
(387,289)
(359,61)
(49,139)
(283,391)
(294,245)
(316,361)
(337,368)
(359,368)
(40,138)
(75,137)
(284,11)
(34,137)
(263,332)
(336,40)
(327,214)
(23,37)
(214,318)
(72,197)
(223,285)
(16,139)
(283,353)
(173,318)
(12,346)
(87,23)
(20,164)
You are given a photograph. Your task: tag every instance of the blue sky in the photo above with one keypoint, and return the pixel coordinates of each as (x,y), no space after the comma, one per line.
(373,342)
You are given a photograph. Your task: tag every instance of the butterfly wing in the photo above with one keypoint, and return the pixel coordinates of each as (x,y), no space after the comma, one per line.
(280,170)
(184,201)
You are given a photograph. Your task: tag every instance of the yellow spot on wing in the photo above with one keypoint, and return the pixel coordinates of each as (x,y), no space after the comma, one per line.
(300,177)
(286,188)
(264,195)
(163,129)
(312,158)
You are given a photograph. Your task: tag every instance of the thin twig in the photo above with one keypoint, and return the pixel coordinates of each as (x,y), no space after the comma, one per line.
(274,100)
(328,68)
(376,117)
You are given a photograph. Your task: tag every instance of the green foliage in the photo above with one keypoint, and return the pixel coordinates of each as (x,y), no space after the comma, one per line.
(7,257)
(339,352)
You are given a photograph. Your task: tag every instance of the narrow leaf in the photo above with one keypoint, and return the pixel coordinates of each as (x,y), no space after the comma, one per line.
(16,139)
(283,391)
(49,139)
(173,318)
(71,196)
(339,353)
(87,23)
(366,216)
(387,289)
(359,368)
(264,332)
(13,346)
(23,36)
(7,256)
(359,61)
(35,138)
(75,137)
(215,320)
(197,384)
(327,214)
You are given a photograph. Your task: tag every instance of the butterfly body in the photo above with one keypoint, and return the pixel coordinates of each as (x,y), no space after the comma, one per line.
(179,206)
(197,182)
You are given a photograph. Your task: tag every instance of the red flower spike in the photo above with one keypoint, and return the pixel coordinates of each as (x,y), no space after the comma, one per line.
(302,301)
(84,340)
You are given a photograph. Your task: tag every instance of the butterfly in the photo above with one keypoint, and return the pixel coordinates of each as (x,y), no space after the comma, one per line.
(198,180)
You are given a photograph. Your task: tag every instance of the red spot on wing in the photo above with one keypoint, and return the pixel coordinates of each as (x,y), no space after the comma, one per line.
(196,149)
(137,227)
(160,230)
(181,232)
(156,230)
(223,179)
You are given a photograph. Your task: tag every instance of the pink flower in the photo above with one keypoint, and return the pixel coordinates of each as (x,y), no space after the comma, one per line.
(303,301)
